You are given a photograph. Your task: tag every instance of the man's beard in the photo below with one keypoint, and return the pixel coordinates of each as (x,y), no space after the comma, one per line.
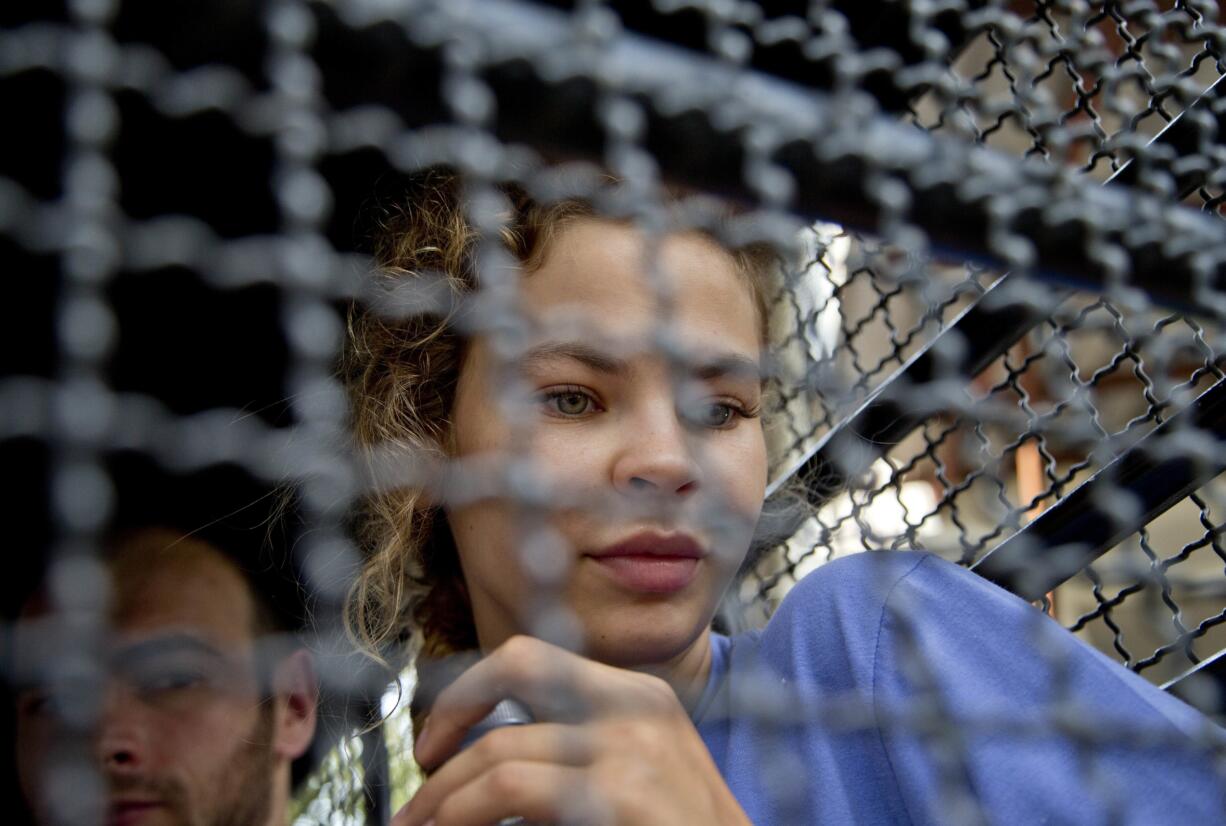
(241,794)
(250,775)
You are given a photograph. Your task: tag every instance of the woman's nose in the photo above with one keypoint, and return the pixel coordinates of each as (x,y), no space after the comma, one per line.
(656,457)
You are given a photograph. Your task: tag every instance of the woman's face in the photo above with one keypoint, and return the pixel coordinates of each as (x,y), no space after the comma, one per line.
(658,463)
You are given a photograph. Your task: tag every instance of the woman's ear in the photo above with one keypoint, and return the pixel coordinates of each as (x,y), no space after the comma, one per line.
(295,690)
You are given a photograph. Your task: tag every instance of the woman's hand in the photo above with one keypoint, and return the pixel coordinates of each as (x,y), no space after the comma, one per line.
(611,747)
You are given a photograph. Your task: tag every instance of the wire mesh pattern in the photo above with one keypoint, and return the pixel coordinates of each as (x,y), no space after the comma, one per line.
(925,165)
(1072,86)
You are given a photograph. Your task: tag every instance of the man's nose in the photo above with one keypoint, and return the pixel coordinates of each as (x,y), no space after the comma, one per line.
(122,738)
(656,454)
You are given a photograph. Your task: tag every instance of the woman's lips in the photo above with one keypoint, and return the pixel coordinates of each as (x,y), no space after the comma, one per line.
(651,562)
(650,574)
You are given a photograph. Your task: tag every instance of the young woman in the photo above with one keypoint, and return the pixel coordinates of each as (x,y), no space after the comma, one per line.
(601,466)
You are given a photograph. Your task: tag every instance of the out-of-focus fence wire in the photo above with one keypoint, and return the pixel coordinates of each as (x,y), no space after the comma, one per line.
(1002,338)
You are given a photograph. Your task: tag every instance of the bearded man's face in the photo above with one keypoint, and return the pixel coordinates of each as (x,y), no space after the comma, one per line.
(183,734)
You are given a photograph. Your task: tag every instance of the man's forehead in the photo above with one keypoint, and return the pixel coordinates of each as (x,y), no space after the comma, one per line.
(167,596)
(160,580)
(126,647)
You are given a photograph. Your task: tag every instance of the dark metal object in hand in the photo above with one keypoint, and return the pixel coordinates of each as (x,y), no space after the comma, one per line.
(506,713)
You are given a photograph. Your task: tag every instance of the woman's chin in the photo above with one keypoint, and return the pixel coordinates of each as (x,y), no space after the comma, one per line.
(642,641)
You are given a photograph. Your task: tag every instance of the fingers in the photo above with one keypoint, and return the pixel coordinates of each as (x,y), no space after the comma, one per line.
(535,743)
(609,746)
(538,792)
(554,683)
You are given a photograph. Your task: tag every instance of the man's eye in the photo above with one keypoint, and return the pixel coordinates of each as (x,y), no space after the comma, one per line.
(166,681)
(58,699)
(568,402)
(35,704)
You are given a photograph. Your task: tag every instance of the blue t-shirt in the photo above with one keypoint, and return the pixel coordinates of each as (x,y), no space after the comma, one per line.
(900,688)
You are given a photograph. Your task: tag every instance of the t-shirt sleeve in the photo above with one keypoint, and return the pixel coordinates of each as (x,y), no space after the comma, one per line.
(988,709)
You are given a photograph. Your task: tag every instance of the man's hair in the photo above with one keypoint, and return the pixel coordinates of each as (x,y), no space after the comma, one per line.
(156,544)
(253,524)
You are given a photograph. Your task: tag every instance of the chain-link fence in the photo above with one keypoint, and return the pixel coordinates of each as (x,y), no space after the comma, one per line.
(997,335)
(1077,86)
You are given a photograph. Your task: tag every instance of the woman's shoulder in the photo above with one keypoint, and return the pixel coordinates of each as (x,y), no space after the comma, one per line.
(886,629)
(850,579)
(860,588)
(868,619)
(828,622)
(854,590)
(854,622)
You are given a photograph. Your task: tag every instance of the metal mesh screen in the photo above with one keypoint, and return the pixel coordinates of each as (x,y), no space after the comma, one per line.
(997,335)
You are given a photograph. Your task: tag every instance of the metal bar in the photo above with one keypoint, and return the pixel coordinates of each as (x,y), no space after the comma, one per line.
(1141,483)
(376,776)
(790,39)
(1203,686)
(834,159)
(1187,162)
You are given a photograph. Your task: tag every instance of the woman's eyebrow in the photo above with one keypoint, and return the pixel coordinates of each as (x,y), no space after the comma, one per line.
(700,366)
(732,365)
(585,354)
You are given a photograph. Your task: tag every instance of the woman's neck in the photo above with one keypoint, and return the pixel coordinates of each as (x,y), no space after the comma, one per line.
(688,672)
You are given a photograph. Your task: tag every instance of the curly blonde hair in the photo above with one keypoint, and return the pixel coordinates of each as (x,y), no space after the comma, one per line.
(402,371)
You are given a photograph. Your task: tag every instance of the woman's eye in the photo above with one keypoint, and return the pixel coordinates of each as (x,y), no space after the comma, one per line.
(714,414)
(568,402)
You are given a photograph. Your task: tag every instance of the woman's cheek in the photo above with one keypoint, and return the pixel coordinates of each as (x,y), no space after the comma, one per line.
(737,467)
(573,456)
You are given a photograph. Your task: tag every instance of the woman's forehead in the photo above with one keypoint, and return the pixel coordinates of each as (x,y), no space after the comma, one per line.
(614,279)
